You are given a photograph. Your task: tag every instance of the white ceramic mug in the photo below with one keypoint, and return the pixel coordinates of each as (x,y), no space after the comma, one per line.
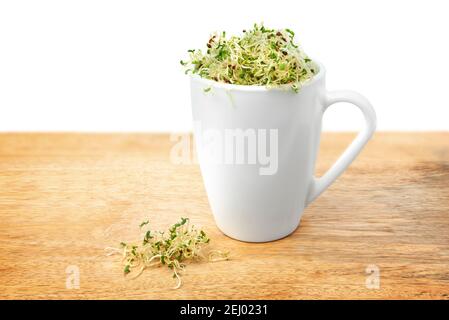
(253,200)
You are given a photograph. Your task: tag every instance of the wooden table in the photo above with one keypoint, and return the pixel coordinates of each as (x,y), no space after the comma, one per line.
(65,197)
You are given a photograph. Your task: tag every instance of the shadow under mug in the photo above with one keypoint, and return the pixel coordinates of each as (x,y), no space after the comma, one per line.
(259,176)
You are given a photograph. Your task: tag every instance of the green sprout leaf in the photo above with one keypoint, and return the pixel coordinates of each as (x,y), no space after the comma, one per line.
(292,34)
(144,223)
(126,270)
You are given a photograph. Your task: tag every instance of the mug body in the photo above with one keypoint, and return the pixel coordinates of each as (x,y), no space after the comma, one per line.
(257,148)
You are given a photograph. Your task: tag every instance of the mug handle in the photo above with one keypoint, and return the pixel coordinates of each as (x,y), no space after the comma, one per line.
(318,185)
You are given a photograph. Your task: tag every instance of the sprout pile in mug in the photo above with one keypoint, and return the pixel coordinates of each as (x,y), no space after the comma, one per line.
(260,56)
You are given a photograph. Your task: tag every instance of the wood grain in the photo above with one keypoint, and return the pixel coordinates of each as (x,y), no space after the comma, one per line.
(65,197)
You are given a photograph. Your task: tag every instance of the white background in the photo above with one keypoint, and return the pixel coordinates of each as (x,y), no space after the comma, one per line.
(114,65)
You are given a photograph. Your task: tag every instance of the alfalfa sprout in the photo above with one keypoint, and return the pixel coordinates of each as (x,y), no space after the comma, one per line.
(181,244)
(260,56)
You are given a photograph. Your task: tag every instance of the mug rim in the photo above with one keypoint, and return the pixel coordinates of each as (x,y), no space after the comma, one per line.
(245,87)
